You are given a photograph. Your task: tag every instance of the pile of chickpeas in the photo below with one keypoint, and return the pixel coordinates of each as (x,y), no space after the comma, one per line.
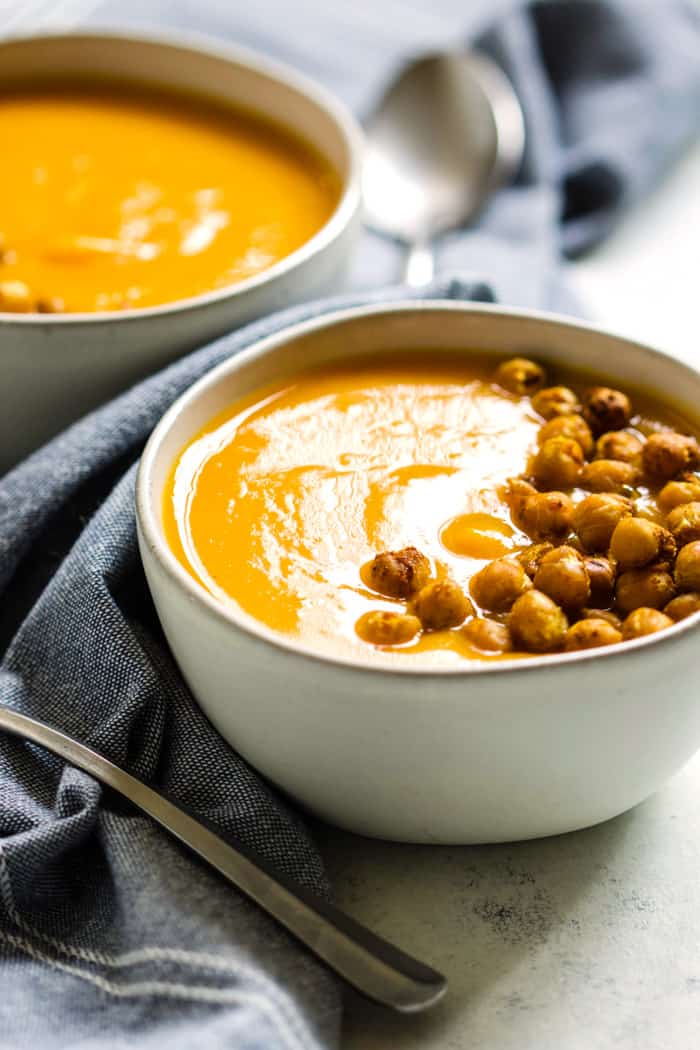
(612,506)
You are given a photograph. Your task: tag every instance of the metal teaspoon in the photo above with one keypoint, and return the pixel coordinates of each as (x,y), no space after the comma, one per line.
(372,965)
(447,132)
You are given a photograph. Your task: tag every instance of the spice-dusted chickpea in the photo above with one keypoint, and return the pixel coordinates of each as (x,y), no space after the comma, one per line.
(601,576)
(602,614)
(687,571)
(520,376)
(442,604)
(398,574)
(668,546)
(558,463)
(544,515)
(50,305)
(498,584)
(609,475)
(531,557)
(595,518)
(573,427)
(555,401)
(517,491)
(606,409)
(675,493)
(518,494)
(682,606)
(644,621)
(15,297)
(562,575)
(489,635)
(684,523)
(380,627)
(650,587)
(667,454)
(591,634)
(536,623)
(638,541)
(620,445)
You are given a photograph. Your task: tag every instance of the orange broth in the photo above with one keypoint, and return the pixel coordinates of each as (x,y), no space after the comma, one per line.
(281,499)
(279,503)
(120,196)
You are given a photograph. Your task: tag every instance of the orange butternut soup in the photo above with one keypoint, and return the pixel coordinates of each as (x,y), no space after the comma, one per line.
(120,196)
(281,500)
(282,503)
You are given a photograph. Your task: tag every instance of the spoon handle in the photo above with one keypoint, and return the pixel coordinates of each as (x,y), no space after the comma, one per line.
(373,966)
(419,267)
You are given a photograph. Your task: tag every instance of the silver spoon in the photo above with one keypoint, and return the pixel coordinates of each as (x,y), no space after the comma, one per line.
(448,131)
(373,966)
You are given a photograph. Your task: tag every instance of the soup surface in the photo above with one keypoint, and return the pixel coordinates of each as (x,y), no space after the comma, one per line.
(119,196)
(281,503)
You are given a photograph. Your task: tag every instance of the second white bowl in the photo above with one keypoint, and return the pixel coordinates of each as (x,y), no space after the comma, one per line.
(55,368)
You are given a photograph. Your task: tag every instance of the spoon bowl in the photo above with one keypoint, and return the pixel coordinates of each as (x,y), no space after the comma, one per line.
(447,132)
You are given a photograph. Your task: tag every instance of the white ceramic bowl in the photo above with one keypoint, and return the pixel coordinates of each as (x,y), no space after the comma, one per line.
(55,368)
(481,754)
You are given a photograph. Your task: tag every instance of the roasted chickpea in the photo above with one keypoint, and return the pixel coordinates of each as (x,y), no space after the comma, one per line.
(609,475)
(644,621)
(602,614)
(517,491)
(562,575)
(520,376)
(606,409)
(544,515)
(536,623)
(634,543)
(649,587)
(531,557)
(675,493)
(555,401)
(667,454)
(684,523)
(601,576)
(52,305)
(687,571)
(558,463)
(638,541)
(499,583)
(442,604)
(595,518)
(573,427)
(398,574)
(15,297)
(668,548)
(620,445)
(682,606)
(387,628)
(489,635)
(591,634)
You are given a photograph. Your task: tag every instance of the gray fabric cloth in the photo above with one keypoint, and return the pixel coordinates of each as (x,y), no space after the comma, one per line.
(110,935)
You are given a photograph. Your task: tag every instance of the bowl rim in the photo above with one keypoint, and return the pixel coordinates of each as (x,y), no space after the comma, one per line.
(258,632)
(206,45)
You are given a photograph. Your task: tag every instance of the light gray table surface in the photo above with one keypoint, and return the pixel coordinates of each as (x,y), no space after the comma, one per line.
(588,941)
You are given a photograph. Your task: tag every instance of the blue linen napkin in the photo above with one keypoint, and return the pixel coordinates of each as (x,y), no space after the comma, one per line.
(110,935)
